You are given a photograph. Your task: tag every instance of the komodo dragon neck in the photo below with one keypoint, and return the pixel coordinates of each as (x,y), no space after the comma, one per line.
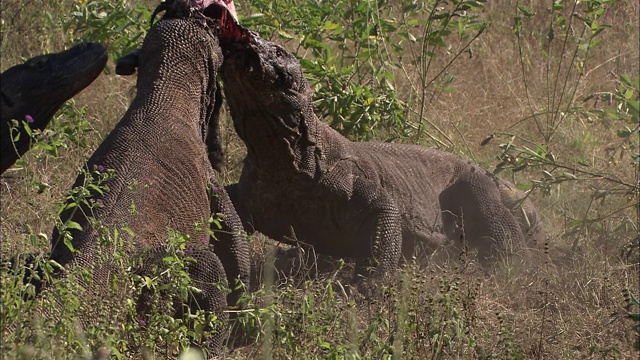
(299,147)
(178,91)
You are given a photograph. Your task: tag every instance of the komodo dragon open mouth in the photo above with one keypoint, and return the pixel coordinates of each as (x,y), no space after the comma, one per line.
(222,10)
(230,30)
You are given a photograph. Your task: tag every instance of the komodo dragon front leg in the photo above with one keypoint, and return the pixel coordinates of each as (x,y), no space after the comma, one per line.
(364,210)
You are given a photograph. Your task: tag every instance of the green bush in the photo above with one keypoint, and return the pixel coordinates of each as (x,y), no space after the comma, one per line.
(356,53)
(121,25)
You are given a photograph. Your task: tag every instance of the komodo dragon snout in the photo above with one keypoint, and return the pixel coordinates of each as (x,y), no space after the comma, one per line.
(374,202)
(36,89)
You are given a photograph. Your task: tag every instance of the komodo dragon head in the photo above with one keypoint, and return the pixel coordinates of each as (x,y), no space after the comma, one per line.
(35,90)
(262,77)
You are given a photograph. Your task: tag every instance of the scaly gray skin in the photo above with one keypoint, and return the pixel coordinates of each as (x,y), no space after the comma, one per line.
(38,88)
(161,167)
(374,202)
(235,255)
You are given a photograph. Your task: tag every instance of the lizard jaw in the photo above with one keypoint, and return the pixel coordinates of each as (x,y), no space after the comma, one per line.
(230,30)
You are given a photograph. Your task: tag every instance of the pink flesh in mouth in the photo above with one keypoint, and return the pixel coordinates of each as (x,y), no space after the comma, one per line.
(230,30)
(203,4)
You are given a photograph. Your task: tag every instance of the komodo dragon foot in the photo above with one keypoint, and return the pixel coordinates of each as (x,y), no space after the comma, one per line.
(207,274)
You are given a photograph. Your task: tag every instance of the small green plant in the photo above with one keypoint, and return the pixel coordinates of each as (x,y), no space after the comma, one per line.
(620,118)
(83,314)
(559,115)
(69,126)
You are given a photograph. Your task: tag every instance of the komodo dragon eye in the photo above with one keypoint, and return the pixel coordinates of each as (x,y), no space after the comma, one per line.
(283,77)
(280,52)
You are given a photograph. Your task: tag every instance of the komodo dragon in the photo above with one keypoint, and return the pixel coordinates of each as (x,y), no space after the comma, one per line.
(370,201)
(36,89)
(224,10)
(163,178)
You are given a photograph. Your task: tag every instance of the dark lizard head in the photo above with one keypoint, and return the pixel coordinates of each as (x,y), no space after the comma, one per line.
(261,77)
(40,86)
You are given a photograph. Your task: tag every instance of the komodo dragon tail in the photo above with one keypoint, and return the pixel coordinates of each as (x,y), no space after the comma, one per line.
(34,91)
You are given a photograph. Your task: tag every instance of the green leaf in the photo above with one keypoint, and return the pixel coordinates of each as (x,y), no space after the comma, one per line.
(254,16)
(73,225)
(329,25)
(128,230)
(285,35)
(624,133)
(628,94)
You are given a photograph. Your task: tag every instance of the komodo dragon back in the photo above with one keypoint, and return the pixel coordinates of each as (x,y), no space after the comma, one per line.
(158,176)
(304,182)
(35,90)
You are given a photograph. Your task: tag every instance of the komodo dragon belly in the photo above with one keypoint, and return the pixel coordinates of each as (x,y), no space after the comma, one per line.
(154,187)
(412,175)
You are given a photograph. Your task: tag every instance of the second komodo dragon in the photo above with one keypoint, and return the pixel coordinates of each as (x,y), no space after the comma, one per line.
(370,201)
(161,176)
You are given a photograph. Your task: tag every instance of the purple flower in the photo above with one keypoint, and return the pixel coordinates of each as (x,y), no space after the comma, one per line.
(29,118)
(215,188)
(142,322)
(180,252)
(189,252)
(100,168)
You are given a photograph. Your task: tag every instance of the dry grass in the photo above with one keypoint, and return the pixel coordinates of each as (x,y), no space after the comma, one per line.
(568,305)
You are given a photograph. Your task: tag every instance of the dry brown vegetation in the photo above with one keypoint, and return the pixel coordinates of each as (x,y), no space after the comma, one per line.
(567,303)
